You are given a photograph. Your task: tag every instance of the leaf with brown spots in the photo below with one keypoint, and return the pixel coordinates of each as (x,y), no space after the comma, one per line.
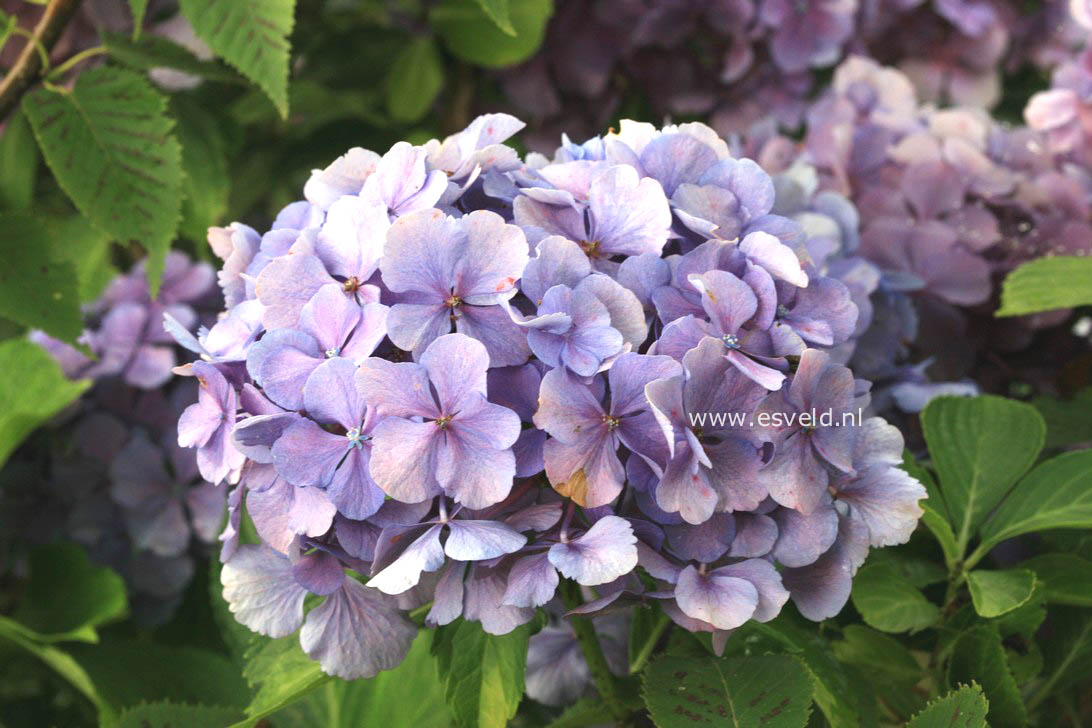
(111,148)
(771,691)
(176,715)
(962,708)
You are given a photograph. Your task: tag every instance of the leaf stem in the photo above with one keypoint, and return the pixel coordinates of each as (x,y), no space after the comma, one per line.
(79,57)
(639,662)
(35,55)
(605,681)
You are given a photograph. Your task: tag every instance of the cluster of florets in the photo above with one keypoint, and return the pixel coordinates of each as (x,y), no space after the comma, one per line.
(115,478)
(949,202)
(463,377)
(736,62)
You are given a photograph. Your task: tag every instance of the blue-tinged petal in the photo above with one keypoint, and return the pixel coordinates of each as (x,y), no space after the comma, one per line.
(424,554)
(319,573)
(604,553)
(480,540)
(261,591)
(532,582)
(724,601)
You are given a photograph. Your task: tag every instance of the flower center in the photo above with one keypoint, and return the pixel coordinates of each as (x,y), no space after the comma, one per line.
(352,285)
(356,439)
(443,422)
(453,302)
(782,310)
(332,352)
(731,341)
(590,249)
(611,422)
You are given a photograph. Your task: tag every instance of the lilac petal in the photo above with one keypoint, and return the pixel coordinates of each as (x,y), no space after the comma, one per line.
(356,634)
(631,215)
(404,459)
(604,553)
(776,257)
(734,465)
(567,408)
(673,159)
(306,454)
(626,313)
(456,366)
(475,464)
(329,317)
(286,285)
(755,535)
(705,542)
(330,395)
(725,602)
(281,362)
(557,673)
(768,377)
(821,589)
(558,261)
(885,499)
(413,326)
(484,594)
(493,326)
(159,527)
(422,253)
(794,477)
(587,471)
(762,574)
(150,367)
(532,582)
(261,591)
(481,540)
(493,260)
(284,512)
(424,554)
(205,503)
(351,240)
(540,220)
(352,489)
(447,602)
(643,274)
(254,436)
(685,488)
(399,390)
(345,176)
(515,388)
(540,517)
(802,538)
(368,334)
(528,451)
(728,301)
(319,573)
(628,376)
(750,184)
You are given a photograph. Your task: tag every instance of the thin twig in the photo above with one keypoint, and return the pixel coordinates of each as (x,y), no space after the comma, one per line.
(28,66)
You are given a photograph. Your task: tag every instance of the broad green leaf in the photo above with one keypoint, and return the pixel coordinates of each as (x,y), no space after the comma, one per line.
(18,163)
(1063,578)
(1067,655)
(962,708)
(497,11)
(67,596)
(877,654)
(980,446)
(482,673)
(414,80)
(1056,494)
(175,715)
(1068,421)
(998,592)
(37,289)
(138,8)
(1046,284)
(935,516)
(1025,619)
(283,674)
(474,38)
(110,147)
(252,36)
(88,250)
(207,182)
(156,51)
(33,389)
(977,656)
(61,662)
(584,712)
(771,691)
(889,603)
(409,696)
(918,571)
(832,690)
(178,674)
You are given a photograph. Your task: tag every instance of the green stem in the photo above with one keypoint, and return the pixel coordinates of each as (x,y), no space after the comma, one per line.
(605,681)
(79,57)
(34,57)
(639,662)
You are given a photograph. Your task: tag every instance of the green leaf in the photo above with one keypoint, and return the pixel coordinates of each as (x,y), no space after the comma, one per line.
(409,696)
(87,249)
(68,596)
(584,712)
(1067,655)
(61,663)
(1067,419)
(977,656)
(33,389)
(180,674)
(414,80)
(962,708)
(1056,494)
(497,11)
(252,36)
(175,715)
(1046,284)
(207,182)
(482,673)
(110,147)
(980,446)
(889,603)
(283,674)
(36,289)
(772,691)
(998,592)
(18,163)
(138,8)
(877,654)
(1063,578)
(156,51)
(935,516)
(474,38)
